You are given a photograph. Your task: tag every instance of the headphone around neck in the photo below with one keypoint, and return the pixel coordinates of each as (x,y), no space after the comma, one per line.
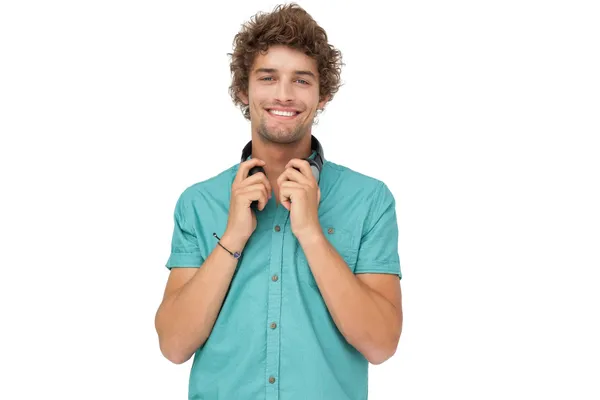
(316,163)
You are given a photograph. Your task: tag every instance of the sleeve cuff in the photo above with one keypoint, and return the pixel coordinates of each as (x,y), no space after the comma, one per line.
(184,260)
(391,268)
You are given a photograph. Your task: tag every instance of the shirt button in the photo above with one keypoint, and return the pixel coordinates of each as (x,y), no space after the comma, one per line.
(277,228)
(330,230)
(271,380)
(274,278)
(273,325)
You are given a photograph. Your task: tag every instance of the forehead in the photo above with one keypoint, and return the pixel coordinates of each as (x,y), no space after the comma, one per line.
(284,59)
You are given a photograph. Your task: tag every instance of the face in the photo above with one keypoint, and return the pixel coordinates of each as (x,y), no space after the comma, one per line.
(283,94)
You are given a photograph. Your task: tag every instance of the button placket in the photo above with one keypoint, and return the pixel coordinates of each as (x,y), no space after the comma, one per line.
(274,301)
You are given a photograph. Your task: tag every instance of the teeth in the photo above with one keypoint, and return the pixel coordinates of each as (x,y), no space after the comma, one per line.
(283,113)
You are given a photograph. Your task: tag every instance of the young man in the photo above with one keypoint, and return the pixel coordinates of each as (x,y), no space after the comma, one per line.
(315,295)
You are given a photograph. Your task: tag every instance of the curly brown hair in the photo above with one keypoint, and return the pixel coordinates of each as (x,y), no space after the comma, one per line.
(288,25)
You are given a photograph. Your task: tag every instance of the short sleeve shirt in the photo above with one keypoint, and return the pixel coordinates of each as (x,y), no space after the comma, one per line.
(274,338)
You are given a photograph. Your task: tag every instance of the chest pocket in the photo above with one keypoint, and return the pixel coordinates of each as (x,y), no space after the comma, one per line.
(341,240)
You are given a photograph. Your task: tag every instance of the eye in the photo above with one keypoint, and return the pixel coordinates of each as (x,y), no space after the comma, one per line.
(302,80)
(265,78)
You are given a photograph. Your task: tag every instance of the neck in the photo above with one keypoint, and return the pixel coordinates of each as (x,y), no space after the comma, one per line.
(277,155)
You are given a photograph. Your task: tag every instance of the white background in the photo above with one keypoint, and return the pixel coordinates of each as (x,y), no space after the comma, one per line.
(482,117)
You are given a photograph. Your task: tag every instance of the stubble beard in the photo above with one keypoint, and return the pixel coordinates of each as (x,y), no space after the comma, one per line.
(281,135)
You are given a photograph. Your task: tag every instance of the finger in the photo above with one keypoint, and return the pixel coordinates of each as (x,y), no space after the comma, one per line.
(262,199)
(254,192)
(292,184)
(291,174)
(259,177)
(288,193)
(243,191)
(290,188)
(245,167)
(301,165)
(285,197)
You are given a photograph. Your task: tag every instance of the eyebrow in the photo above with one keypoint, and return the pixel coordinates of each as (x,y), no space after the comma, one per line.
(273,70)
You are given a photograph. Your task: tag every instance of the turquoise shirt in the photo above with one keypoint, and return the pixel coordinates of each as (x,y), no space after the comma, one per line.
(274,338)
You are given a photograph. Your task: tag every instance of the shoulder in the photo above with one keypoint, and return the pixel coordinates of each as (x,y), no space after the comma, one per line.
(350,182)
(354,202)
(214,189)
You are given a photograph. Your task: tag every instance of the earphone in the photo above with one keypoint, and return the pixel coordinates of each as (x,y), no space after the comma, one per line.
(316,164)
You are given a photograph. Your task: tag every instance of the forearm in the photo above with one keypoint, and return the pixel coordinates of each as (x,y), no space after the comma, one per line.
(185,319)
(366,319)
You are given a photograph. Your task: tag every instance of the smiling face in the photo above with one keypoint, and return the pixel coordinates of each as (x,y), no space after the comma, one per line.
(283,94)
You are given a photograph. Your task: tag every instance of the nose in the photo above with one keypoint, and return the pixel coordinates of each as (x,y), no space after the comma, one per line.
(284,91)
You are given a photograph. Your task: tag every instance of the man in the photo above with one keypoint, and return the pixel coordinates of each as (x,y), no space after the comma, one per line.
(315,295)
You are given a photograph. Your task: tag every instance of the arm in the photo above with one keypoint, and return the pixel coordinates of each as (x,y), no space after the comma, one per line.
(191,303)
(194,296)
(366,308)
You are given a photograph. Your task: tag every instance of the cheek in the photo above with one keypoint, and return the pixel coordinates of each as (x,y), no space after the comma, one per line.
(312,101)
(257,107)
(260,95)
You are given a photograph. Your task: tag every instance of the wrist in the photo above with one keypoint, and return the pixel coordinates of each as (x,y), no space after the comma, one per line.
(233,242)
(310,237)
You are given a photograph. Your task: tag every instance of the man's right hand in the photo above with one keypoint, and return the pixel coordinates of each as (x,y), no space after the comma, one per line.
(241,221)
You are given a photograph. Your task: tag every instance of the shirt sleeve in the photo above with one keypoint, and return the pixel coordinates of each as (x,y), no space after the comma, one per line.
(378,251)
(185,251)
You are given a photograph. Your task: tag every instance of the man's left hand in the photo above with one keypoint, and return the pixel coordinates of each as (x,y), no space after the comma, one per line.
(300,194)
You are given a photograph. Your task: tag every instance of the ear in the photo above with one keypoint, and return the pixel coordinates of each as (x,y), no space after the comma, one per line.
(243,97)
(322,103)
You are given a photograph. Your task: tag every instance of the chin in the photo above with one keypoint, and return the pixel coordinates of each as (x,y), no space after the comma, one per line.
(282,137)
